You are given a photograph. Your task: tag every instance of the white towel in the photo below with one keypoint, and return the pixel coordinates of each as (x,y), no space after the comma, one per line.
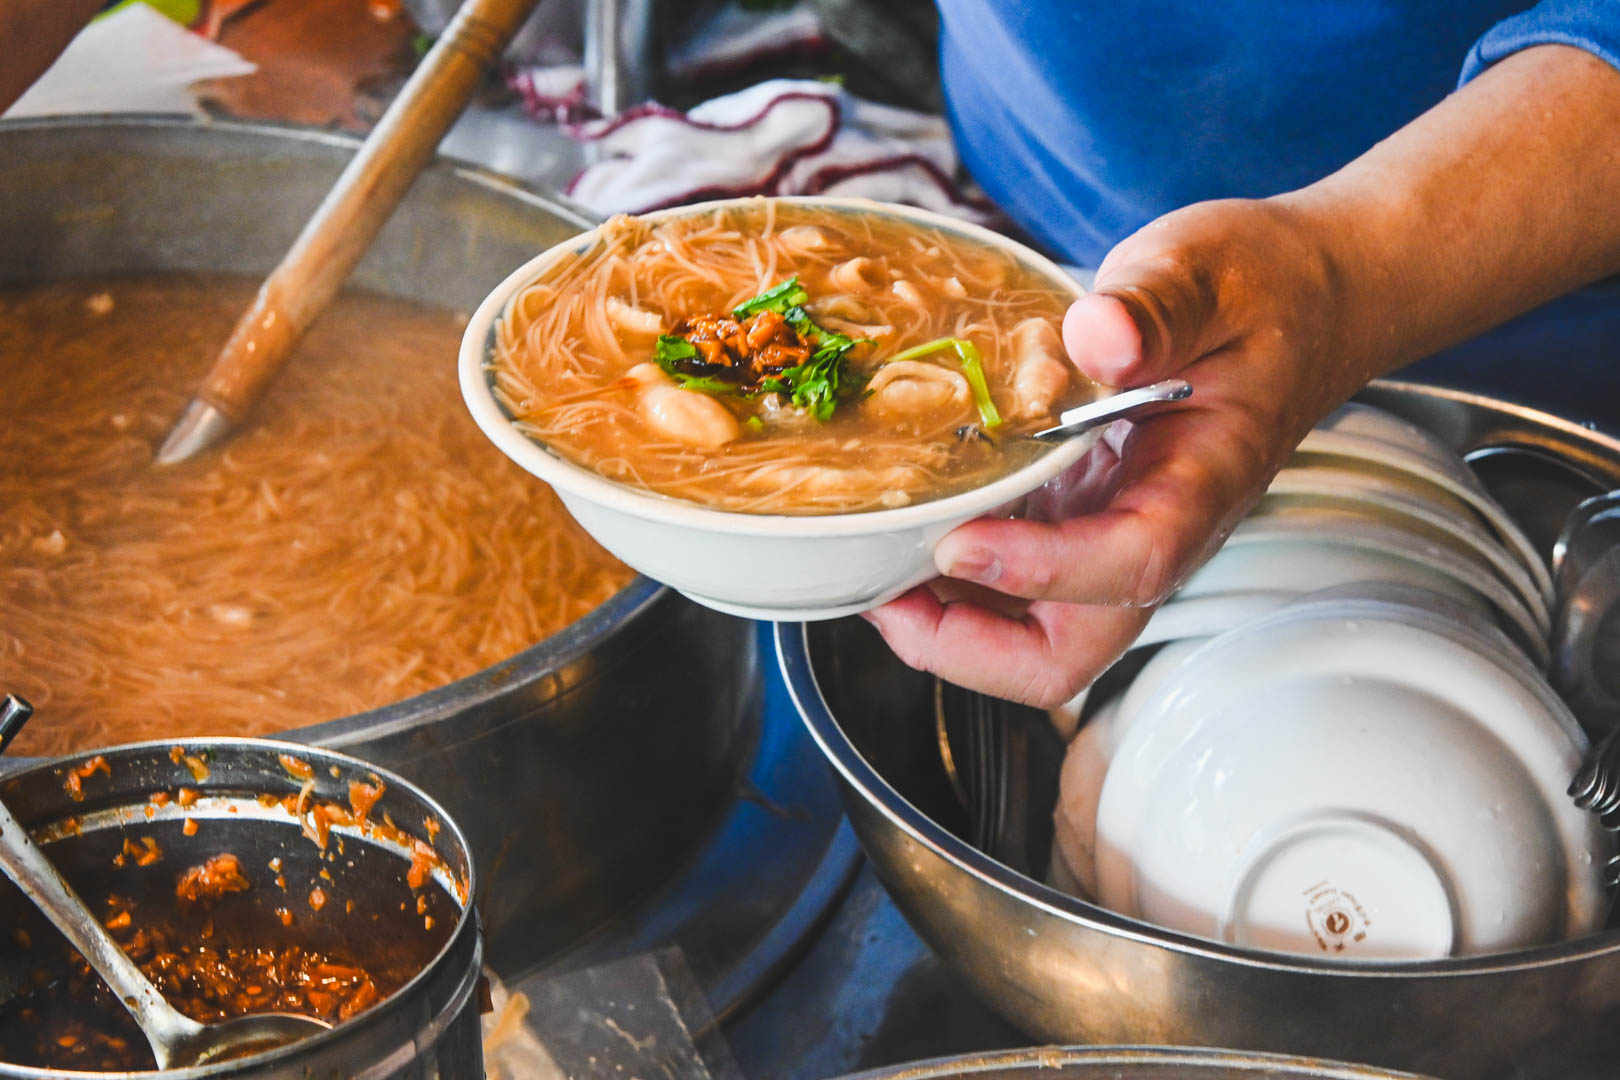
(781,137)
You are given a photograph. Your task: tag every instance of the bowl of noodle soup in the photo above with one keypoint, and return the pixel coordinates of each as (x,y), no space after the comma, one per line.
(779,406)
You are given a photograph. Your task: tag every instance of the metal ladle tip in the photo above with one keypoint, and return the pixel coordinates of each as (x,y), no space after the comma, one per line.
(200,426)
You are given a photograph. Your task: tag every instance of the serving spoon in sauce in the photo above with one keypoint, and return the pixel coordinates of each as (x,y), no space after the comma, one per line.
(177,1040)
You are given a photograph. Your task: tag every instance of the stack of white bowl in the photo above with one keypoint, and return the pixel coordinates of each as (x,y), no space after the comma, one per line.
(1346,747)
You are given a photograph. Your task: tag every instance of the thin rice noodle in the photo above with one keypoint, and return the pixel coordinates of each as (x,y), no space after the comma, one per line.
(359,542)
(560,361)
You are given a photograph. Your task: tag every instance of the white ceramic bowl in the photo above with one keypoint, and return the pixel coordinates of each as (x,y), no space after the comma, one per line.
(781,567)
(1182,627)
(1376,543)
(1382,440)
(1074,821)
(1426,518)
(1183,617)
(1351,779)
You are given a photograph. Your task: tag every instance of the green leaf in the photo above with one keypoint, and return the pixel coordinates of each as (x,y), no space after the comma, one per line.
(778,298)
(707,384)
(967,354)
(670,349)
(184,12)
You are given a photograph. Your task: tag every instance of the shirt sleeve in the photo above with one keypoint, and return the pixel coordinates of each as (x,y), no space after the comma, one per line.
(1593,25)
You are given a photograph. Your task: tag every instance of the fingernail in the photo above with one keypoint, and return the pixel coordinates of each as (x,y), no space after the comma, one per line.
(979,566)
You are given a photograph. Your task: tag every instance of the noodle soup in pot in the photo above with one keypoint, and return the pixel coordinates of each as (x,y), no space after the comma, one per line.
(779,406)
(357,543)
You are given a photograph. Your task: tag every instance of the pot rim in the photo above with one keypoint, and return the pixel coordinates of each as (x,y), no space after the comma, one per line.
(552,201)
(1057,1057)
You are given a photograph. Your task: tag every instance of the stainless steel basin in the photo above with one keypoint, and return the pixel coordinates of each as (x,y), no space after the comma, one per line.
(584,770)
(1069,972)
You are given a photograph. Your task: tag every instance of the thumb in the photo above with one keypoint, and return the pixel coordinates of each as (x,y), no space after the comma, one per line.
(1145,321)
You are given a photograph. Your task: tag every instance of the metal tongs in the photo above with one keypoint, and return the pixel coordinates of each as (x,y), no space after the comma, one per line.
(1125,405)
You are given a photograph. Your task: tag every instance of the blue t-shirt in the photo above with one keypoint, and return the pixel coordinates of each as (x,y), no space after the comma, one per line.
(1086,121)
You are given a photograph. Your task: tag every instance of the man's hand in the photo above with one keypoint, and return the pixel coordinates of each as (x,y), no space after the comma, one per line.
(1222,294)
(1276,310)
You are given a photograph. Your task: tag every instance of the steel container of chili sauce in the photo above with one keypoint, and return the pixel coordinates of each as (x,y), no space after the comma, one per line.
(246,875)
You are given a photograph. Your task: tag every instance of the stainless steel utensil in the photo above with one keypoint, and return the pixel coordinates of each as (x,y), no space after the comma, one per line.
(1125,405)
(14,713)
(177,1040)
(1574,548)
(1596,786)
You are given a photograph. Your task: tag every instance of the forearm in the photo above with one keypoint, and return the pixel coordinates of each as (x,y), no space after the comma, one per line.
(1502,197)
(32,34)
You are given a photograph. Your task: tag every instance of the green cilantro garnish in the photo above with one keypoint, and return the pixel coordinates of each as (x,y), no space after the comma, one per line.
(815,385)
(671,349)
(778,298)
(967,354)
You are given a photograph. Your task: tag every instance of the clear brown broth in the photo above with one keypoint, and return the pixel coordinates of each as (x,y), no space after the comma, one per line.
(358,543)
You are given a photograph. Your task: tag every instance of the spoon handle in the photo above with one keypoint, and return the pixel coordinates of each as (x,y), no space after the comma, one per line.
(343,226)
(14,713)
(25,864)
(1120,406)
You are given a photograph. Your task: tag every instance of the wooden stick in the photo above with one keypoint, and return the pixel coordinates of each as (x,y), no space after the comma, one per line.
(346,222)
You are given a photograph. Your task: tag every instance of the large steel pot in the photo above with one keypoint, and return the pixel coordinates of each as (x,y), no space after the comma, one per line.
(585,770)
(1067,971)
(426,1029)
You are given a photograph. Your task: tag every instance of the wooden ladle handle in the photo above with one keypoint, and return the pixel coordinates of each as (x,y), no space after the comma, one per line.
(358,205)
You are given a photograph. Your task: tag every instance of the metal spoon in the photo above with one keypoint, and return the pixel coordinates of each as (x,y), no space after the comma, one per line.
(1125,405)
(177,1040)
